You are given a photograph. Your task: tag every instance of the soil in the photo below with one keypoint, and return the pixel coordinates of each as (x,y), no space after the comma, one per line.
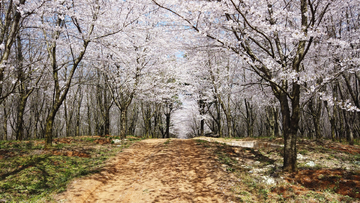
(70,140)
(156,171)
(338,180)
(70,153)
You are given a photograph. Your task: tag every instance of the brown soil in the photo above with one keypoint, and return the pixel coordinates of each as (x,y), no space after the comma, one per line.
(155,171)
(289,190)
(340,181)
(336,146)
(70,153)
(69,140)
(346,148)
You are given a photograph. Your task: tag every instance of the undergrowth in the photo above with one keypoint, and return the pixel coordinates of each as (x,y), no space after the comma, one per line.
(30,174)
(253,188)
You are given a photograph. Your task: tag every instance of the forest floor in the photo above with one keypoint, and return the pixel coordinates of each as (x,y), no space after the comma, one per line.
(91,169)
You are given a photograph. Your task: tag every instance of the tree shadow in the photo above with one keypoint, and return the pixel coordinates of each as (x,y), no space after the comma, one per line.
(32,162)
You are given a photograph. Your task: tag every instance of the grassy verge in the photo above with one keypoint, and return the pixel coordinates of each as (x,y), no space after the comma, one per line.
(30,174)
(331,179)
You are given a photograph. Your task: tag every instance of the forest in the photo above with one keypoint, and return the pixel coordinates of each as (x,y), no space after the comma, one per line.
(181,68)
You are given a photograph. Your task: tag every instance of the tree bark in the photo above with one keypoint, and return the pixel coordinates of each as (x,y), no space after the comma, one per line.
(218,119)
(332,116)
(146,113)
(134,118)
(289,130)
(78,123)
(316,114)
(249,119)
(5,123)
(19,131)
(202,113)
(167,133)
(49,129)
(89,118)
(123,119)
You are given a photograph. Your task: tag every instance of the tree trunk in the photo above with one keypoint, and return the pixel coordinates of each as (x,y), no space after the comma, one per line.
(227,116)
(202,113)
(123,120)
(157,122)
(134,117)
(249,119)
(342,125)
(270,122)
(67,120)
(146,113)
(160,125)
(332,116)
(316,113)
(49,130)
(5,123)
(349,127)
(167,134)
(78,123)
(348,122)
(333,124)
(19,131)
(107,107)
(289,131)
(36,113)
(202,125)
(218,119)
(102,99)
(277,126)
(228,123)
(89,118)
(169,108)
(272,115)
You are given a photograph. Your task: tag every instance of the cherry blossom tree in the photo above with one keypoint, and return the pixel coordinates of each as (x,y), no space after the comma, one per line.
(274,38)
(68,28)
(242,67)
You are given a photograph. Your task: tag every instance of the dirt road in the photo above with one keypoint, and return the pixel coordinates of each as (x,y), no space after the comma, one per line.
(156,171)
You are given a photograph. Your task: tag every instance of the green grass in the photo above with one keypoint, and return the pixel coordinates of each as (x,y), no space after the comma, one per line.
(167,141)
(225,159)
(89,139)
(303,152)
(200,141)
(250,188)
(31,176)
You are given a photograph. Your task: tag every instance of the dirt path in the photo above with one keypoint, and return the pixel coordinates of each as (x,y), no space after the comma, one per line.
(155,171)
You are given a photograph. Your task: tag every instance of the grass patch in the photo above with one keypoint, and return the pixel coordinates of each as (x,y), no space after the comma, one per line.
(201,141)
(336,167)
(28,174)
(167,141)
(225,159)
